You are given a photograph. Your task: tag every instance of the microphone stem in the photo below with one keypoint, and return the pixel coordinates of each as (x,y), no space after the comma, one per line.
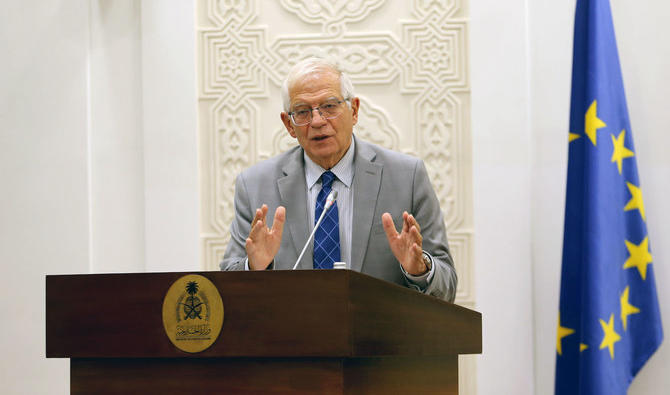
(316,226)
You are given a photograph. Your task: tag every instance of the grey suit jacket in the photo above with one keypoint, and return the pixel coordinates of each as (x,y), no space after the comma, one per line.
(384,181)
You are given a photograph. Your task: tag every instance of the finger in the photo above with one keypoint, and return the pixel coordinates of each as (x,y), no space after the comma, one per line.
(250,247)
(257,217)
(389,226)
(264,210)
(416,235)
(278,221)
(413,221)
(405,223)
(256,230)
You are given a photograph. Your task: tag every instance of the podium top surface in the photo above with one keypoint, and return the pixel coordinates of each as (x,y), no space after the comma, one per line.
(305,313)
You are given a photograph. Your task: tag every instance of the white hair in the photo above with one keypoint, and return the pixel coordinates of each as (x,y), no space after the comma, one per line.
(310,66)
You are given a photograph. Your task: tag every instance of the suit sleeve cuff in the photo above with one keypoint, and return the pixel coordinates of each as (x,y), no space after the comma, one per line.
(422,281)
(271,266)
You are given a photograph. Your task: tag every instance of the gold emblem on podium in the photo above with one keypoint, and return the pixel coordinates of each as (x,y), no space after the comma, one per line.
(192,313)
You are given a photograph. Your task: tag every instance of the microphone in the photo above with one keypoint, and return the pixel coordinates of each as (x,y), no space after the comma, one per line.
(330,200)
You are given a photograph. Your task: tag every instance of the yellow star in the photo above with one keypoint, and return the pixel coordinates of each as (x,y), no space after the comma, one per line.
(572,137)
(620,152)
(639,257)
(582,347)
(626,308)
(561,332)
(635,201)
(592,123)
(609,335)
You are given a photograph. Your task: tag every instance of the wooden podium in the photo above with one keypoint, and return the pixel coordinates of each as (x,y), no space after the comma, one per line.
(284,332)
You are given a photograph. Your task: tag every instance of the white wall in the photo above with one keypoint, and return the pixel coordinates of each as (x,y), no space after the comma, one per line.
(143,154)
(645,57)
(98,168)
(170,136)
(502,189)
(116,144)
(551,64)
(44,223)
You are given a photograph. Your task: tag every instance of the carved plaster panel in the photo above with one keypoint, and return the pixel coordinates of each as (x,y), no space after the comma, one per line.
(423,69)
(408,62)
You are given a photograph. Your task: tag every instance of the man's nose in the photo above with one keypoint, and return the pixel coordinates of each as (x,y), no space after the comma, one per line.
(317,118)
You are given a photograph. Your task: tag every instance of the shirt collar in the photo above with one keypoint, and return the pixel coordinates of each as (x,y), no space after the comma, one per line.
(343,170)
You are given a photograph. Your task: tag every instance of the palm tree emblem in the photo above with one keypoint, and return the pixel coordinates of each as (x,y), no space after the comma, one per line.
(193,305)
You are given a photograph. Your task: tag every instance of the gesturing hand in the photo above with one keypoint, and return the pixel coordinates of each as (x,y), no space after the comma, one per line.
(263,243)
(406,245)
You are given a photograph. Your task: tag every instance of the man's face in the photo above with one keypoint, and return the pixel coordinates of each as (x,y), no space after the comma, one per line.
(324,140)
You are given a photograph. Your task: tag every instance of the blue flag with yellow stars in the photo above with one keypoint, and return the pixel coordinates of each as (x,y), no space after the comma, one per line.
(609,322)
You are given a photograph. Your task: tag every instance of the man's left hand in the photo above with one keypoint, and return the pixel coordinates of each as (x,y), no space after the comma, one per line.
(406,245)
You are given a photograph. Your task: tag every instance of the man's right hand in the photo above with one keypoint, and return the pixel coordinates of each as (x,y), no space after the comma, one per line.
(263,243)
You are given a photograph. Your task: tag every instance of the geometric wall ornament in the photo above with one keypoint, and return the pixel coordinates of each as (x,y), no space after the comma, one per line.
(409,67)
(375,125)
(408,61)
(332,15)
(412,80)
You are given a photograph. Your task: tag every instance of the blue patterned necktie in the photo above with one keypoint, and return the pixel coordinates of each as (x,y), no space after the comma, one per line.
(327,236)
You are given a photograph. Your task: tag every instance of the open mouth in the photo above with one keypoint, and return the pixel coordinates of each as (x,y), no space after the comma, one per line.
(320,138)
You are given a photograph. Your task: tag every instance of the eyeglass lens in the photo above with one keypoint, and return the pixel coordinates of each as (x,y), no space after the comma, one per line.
(329,110)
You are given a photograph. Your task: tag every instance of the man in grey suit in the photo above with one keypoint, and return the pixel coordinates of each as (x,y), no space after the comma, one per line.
(379,191)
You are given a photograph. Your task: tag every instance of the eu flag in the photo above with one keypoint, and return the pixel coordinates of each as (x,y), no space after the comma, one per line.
(609,322)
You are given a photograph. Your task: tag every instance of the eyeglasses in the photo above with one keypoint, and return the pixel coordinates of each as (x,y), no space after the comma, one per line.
(330,109)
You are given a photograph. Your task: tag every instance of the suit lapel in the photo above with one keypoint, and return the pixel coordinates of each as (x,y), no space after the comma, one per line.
(367,180)
(292,190)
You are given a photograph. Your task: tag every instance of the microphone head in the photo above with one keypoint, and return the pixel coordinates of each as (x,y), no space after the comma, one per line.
(332,196)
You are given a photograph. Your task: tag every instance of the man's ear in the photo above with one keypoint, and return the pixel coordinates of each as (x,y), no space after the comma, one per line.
(286,119)
(355,103)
